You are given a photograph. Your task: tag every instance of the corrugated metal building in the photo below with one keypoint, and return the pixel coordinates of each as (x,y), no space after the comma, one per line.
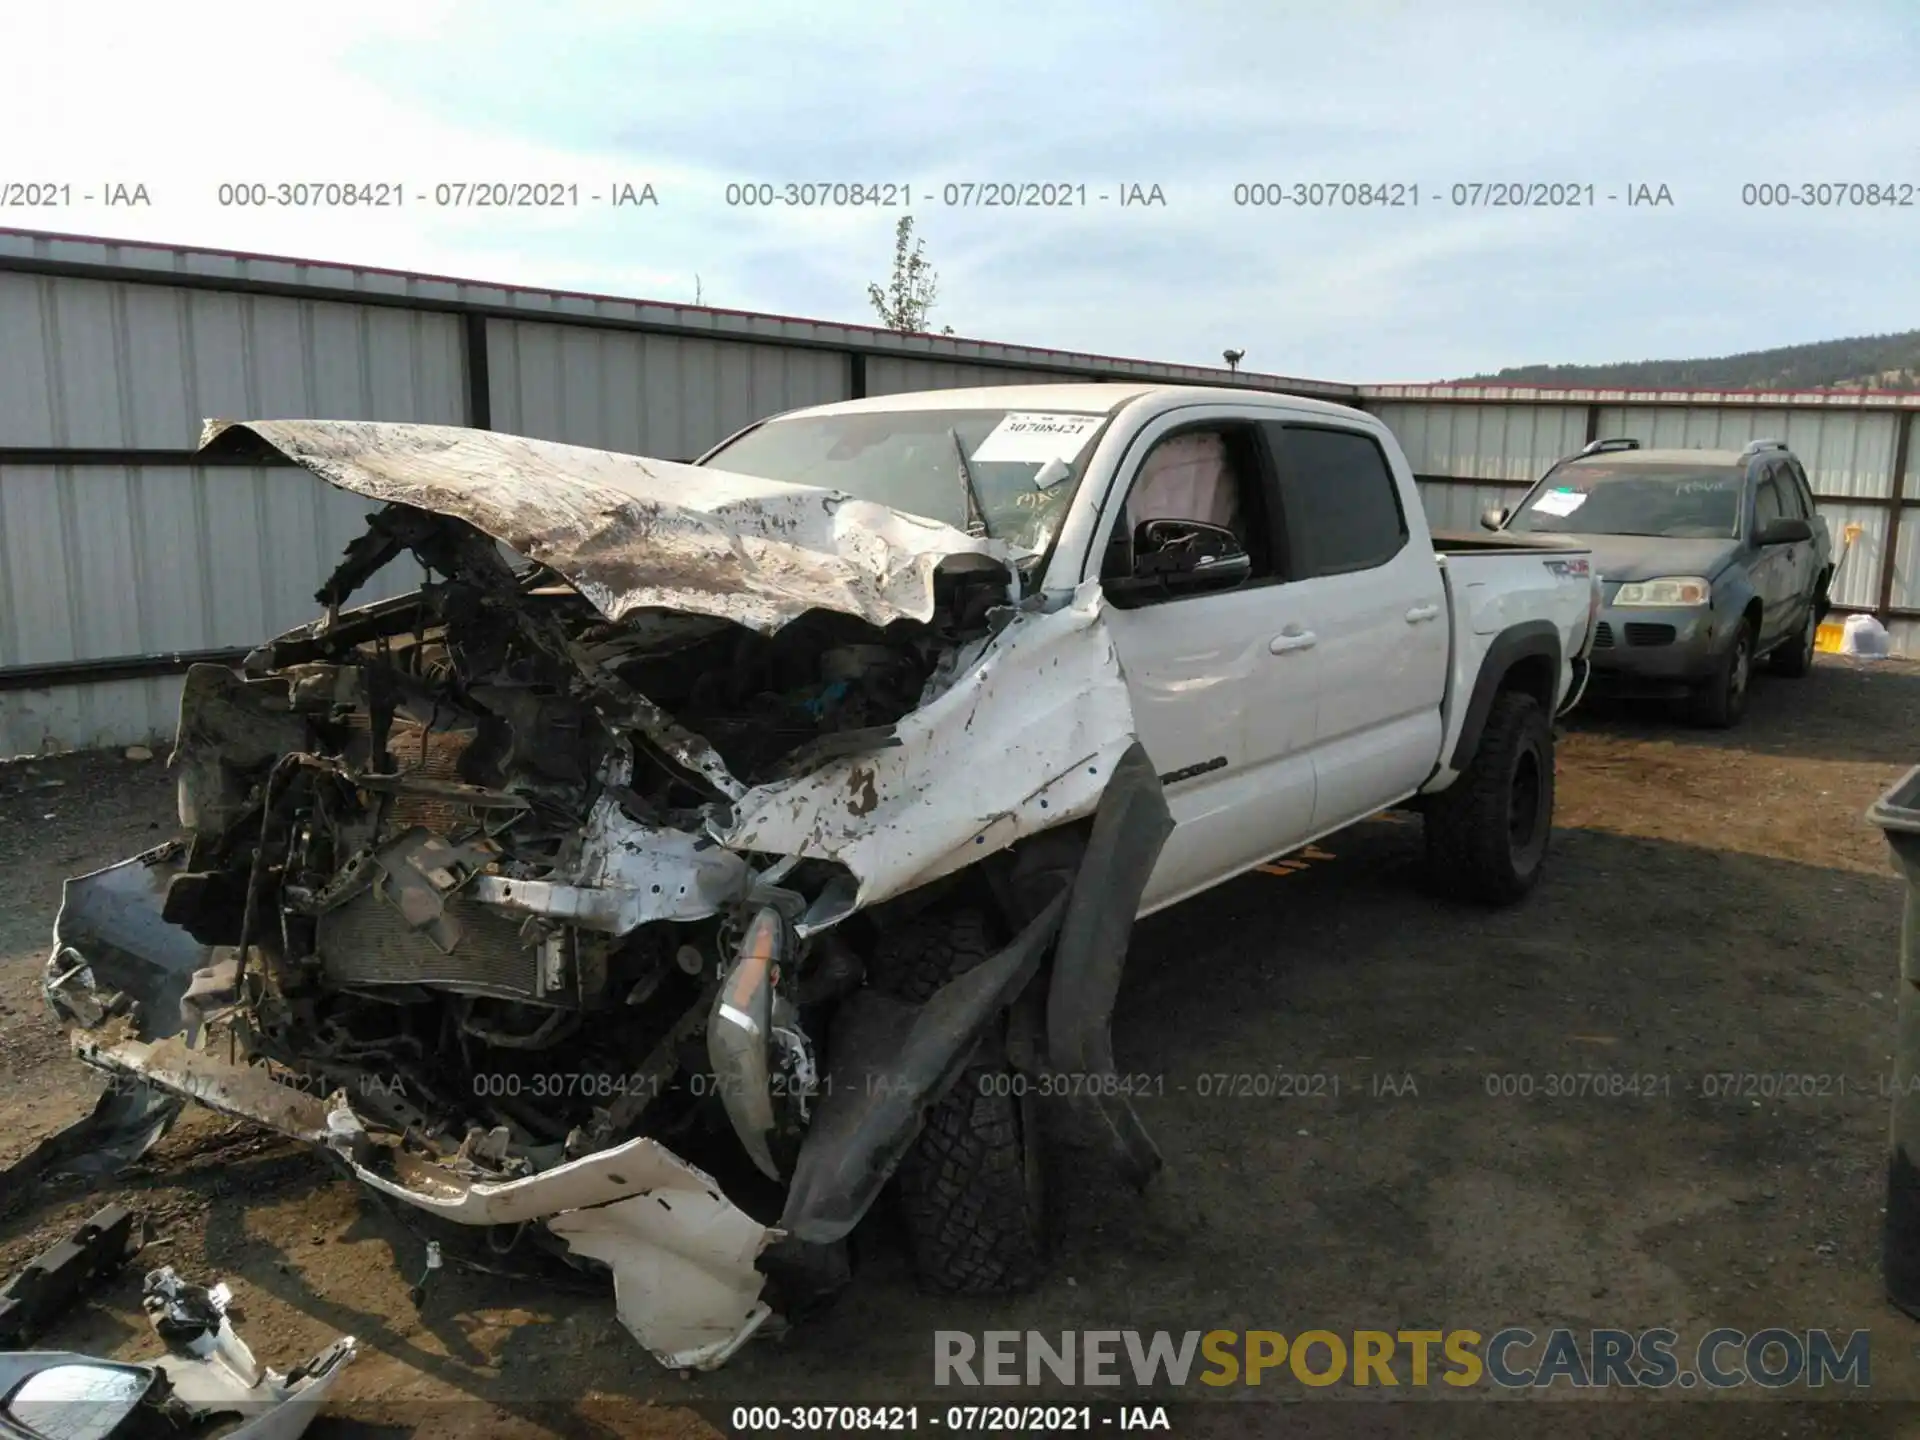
(123,557)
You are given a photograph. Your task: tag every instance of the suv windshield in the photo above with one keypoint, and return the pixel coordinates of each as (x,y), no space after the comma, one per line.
(1680,502)
(912,460)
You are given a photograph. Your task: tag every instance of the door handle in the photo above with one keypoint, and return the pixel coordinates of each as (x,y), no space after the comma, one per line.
(1422,612)
(1292,639)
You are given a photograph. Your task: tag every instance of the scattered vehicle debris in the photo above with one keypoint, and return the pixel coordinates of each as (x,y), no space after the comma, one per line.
(58,1276)
(687,824)
(206,1383)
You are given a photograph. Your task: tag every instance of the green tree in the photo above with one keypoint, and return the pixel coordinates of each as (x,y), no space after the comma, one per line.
(907,300)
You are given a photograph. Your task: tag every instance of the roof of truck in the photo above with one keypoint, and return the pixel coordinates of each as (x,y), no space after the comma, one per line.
(1087,399)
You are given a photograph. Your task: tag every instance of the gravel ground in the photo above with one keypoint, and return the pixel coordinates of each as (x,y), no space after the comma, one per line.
(1716,906)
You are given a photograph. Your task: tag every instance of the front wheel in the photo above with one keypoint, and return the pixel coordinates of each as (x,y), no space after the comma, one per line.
(1487,832)
(970,1187)
(1722,701)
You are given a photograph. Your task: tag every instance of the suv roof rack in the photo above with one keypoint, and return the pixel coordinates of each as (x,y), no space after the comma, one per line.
(1600,447)
(1754,447)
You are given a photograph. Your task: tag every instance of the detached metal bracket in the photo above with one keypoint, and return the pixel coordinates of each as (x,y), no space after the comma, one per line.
(53,1280)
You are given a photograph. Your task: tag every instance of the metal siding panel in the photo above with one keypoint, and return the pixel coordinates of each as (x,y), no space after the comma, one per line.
(1906,561)
(732,392)
(895,375)
(176,593)
(110,365)
(36,621)
(103,566)
(1845,452)
(1458,507)
(82,717)
(1858,580)
(26,377)
(666,396)
(1903,638)
(103,561)
(662,395)
(621,384)
(1495,442)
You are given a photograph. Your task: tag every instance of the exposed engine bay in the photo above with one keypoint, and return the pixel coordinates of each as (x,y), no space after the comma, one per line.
(514,889)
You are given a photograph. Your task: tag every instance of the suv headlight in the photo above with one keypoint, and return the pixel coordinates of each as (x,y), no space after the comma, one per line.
(1668,590)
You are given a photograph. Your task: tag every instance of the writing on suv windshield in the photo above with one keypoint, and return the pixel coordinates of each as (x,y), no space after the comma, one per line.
(1011,472)
(1678,502)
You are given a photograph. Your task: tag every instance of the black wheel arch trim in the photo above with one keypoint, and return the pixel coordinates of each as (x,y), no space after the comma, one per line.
(1516,643)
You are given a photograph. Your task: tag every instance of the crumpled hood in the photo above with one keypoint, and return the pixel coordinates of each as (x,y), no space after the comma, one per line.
(633,534)
(1622,558)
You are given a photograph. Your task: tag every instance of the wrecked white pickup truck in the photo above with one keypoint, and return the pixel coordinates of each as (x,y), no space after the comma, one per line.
(688,856)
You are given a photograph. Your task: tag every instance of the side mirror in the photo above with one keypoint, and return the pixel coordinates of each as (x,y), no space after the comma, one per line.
(1493,517)
(1784,532)
(1182,557)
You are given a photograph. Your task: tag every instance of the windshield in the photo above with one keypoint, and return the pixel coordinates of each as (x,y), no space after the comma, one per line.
(912,460)
(1679,502)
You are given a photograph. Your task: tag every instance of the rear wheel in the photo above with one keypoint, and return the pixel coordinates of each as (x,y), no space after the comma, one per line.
(970,1187)
(1722,701)
(1487,833)
(1795,658)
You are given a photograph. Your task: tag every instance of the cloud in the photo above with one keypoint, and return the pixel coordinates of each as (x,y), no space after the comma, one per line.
(1197,96)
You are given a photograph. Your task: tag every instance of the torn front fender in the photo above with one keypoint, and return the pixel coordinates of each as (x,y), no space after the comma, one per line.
(1025,738)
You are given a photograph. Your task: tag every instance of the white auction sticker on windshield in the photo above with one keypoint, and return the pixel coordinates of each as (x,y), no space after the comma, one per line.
(1037,438)
(1560,502)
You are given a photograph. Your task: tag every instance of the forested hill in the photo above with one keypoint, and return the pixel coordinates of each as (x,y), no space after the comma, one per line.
(1869,362)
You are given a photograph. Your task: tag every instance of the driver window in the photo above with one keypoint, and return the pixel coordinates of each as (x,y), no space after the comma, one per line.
(1211,475)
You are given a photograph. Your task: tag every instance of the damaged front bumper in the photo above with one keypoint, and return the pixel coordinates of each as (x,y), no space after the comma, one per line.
(682,1256)
(207,1382)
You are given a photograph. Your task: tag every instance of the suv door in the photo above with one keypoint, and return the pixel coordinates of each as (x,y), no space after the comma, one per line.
(1223,701)
(1803,555)
(1379,607)
(1772,564)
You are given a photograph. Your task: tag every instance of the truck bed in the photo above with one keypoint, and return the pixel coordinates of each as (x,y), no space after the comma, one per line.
(1456,542)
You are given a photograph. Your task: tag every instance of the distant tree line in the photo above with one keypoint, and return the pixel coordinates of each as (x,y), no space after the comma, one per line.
(1866,362)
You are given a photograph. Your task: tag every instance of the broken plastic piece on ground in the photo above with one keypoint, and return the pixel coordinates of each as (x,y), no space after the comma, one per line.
(205,1379)
(55,1279)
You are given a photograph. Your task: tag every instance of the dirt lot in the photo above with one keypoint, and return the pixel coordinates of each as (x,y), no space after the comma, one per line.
(1716,905)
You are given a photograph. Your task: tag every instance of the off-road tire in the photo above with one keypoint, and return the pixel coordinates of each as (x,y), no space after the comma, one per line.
(1480,844)
(969,1188)
(1794,659)
(1721,703)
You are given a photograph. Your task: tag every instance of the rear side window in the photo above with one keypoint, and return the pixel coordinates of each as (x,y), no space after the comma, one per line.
(1339,506)
(1793,492)
(1766,503)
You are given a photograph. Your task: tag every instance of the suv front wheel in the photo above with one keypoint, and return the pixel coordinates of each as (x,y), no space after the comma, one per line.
(1720,703)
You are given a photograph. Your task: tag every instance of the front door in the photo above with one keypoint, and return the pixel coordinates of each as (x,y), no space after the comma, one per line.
(1222,683)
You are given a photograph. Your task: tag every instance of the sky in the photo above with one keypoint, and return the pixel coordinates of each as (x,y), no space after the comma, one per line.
(1199,98)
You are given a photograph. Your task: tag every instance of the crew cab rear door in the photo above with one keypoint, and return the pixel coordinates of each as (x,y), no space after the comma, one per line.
(1363,574)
